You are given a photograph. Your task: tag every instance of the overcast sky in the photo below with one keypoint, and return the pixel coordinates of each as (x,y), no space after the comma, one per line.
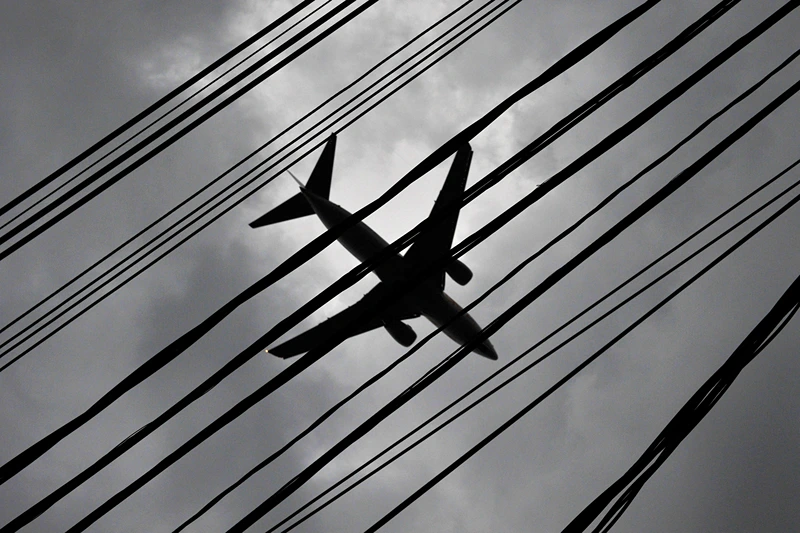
(70,72)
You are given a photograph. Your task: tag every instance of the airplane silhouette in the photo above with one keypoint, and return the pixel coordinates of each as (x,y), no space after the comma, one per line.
(427,299)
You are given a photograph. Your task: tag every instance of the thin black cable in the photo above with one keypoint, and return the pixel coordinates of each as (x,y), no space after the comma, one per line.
(205,203)
(164,144)
(126,444)
(522,371)
(611,140)
(150,109)
(171,351)
(687,418)
(163,115)
(217,179)
(242,406)
(472,451)
(283,378)
(505,279)
(295,483)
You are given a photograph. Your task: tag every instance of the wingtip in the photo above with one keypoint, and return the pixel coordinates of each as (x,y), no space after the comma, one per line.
(278,355)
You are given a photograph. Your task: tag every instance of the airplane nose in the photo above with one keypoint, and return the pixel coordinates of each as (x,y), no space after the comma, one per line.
(487,350)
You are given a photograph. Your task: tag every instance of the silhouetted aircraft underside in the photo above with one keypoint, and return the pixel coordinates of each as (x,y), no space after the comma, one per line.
(428,299)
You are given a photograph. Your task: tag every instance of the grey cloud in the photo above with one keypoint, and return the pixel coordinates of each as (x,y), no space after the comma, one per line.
(71,82)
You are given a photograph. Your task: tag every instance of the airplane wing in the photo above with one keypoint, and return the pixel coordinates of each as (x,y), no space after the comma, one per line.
(324,330)
(438,241)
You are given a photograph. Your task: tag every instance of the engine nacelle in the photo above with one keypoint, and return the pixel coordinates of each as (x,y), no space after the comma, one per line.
(459,272)
(400,332)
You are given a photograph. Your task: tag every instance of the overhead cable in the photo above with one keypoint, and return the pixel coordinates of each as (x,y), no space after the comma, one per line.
(513,273)
(295,483)
(158,361)
(699,405)
(531,365)
(151,109)
(164,144)
(511,421)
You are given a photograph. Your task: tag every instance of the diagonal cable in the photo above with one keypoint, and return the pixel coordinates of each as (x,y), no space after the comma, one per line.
(159,360)
(164,144)
(163,115)
(687,418)
(463,458)
(151,109)
(295,483)
(47,322)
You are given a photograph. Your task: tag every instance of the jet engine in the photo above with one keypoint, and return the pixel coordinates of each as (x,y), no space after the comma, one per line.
(400,332)
(459,272)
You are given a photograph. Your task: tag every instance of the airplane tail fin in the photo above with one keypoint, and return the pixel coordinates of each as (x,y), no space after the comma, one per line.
(319,183)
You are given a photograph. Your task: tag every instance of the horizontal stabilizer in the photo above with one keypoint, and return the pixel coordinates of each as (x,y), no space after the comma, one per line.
(295,207)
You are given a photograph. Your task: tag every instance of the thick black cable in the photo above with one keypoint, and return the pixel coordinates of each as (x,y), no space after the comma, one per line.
(689,415)
(241,407)
(719,389)
(710,397)
(511,421)
(611,140)
(162,116)
(295,483)
(496,388)
(150,109)
(294,365)
(215,379)
(171,351)
(40,328)
(186,129)
(550,335)
(215,180)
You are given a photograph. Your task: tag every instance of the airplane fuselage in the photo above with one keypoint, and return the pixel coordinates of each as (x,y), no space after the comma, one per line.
(432,302)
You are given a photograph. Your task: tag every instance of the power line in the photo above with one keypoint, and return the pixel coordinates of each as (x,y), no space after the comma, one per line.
(149,110)
(47,323)
(291,486)
(469,307)
(171,140)
(687,418)
(161,359)
(461,460)
(532,348)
